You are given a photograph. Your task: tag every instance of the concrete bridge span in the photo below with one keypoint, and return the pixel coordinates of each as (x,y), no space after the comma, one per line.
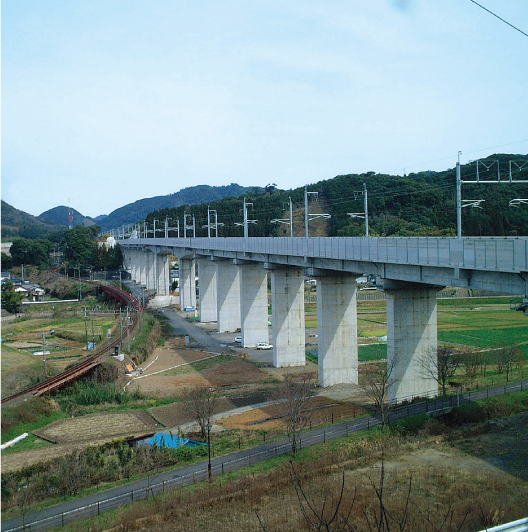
(233,276)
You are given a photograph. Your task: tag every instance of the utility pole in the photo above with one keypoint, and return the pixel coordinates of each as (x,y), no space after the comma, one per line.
(291,218)
(308,217)
(306,234)
(208,222)
(364,214)
(86,328)
(459,197)
(246,228)
(44,354)
(188,225)
(365,200)
(212,223)
(286,221)
(246,220)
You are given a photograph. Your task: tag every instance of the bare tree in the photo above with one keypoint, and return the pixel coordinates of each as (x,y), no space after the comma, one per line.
(507,357)
(328,514)
(377,380)
(441,365)
(202,402)
(292,400)
(471,361)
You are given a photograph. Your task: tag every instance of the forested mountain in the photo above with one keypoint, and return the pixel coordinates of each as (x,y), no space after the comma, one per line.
(134,212)
(16,223)
(421,204)
(59,215)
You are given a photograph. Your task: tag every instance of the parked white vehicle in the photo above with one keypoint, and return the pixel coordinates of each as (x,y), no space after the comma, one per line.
(264,345)
(238,339)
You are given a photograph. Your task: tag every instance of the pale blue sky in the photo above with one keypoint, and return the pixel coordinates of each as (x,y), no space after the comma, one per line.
(109,101)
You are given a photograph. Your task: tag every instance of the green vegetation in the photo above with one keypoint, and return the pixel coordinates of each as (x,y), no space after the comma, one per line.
(152,332)
(89,392)
(29,416)
(421,204)
(486,337)
(18,224)
(10,299)
(139,210)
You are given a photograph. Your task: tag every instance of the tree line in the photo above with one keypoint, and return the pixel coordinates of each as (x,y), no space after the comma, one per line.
(421,204)
(77,249)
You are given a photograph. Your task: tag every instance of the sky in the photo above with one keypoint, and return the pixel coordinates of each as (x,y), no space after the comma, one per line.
(105,102)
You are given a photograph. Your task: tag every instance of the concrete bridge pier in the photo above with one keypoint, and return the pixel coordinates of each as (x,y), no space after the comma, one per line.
(151,271)
(161,270)
(207,288)
(411,339)
(143,269)
(253,303)
(228,296)
(288,327)
(131,257)
(187,284)
(337,319)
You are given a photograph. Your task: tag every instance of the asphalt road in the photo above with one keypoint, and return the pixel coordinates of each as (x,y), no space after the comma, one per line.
(183,326)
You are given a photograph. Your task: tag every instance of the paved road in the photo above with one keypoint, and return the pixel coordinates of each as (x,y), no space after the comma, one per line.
(183,326)
(110,499)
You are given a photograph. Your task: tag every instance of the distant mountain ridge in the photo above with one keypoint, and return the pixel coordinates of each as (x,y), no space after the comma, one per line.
(17,223)
(199,194)
(59,215)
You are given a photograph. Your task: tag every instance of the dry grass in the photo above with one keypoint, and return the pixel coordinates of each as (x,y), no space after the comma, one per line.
(428,481)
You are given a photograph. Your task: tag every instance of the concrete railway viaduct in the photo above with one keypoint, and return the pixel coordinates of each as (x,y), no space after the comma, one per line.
(233,274)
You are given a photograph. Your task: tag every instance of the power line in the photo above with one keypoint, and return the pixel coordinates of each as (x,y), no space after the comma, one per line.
(505,22)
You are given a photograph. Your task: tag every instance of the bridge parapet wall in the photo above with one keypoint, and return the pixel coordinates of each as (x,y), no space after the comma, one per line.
(489,263)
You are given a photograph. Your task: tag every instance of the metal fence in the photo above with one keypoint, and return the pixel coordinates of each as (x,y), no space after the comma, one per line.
(165,482)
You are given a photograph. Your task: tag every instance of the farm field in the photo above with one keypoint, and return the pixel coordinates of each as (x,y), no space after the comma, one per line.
(65,340)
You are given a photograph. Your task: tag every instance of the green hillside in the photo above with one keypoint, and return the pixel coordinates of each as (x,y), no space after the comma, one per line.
(59,215)
(134,212)
(16,223)
(421,204)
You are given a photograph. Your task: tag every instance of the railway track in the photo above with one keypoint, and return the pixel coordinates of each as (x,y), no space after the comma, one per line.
(81,368)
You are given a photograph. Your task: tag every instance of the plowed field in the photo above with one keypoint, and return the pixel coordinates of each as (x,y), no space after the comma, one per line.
(170,371)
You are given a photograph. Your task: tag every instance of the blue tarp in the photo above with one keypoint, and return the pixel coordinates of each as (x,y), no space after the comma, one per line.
(162,439)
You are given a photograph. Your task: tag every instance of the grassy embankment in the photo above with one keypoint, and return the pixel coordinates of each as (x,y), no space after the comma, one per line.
(438,474)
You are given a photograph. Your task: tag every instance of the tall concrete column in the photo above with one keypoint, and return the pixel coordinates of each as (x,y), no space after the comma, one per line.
(187,284)
(162,275)
(131,261)
(287,302)
(253,304)
(128,261)
(228,296)
(411,338)
(337,319)
(151,258)
(143,268)
(207,290)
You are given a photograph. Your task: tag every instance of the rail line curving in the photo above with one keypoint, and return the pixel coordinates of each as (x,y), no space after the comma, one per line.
(93,360)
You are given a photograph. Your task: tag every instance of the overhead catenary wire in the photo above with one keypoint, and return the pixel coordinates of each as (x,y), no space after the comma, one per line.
(500,18)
